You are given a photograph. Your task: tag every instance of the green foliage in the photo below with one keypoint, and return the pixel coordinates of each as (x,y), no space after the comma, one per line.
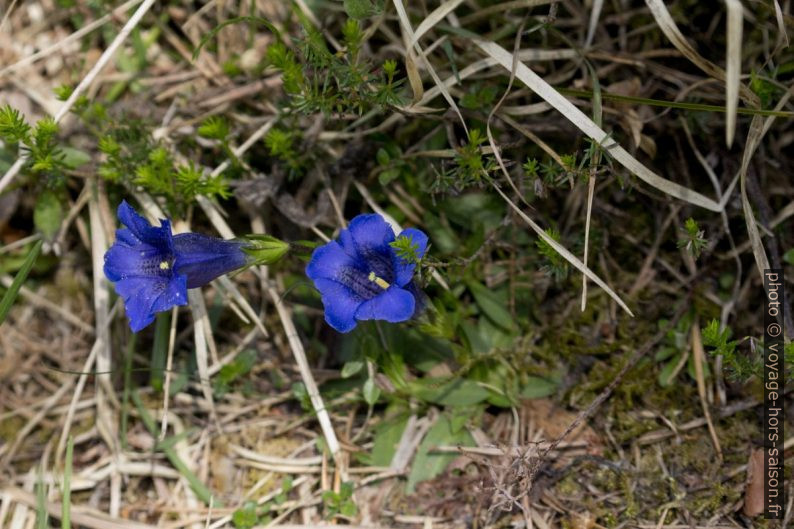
(469,159)
(406,248)
(281,145)
(246,516)
(358,9)
(251,514)
(479,97)
(233,371)
(133,158)
(447,431)
(214,128)
(556,266)
(45,160)
(693,239)
(530,168)
(13,127)
(316,80)
(13,290)
(738,365)
(340,503)
(48,214)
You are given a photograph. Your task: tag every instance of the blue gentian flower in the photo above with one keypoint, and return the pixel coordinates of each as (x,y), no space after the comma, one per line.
(152,269)
(361,277)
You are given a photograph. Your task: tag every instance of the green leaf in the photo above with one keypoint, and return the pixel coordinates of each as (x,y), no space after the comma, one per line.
(491,305)
(666,374)
(537,387)
(74,158)
(245,517)
(13,290)
(371,392)
(789,256)
(48,215)
(458,392)
(351,368)
(428,465)
(359,8)
(387,437)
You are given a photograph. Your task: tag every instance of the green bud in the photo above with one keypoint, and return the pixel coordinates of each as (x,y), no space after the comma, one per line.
(265,249)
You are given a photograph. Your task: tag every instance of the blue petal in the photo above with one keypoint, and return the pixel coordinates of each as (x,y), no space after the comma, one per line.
(127,237)
(328,261)
(141,260)
(340,304)
(393,305)
(404,271)
(139,227)
(368,237)
(419,296)
(144,296)
(174,294)
(202,258)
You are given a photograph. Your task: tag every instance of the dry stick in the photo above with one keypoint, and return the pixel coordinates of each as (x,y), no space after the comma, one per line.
(88,28)
(292,337)
(306,374)
(106,420)
(2,23)
(201,337)
(168,366)
(699,356)
(84,84)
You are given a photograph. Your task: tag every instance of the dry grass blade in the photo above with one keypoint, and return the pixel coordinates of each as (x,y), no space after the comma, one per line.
(84,84)
(434,18)
(76,36)
(586,125)
(781,25)
(568,256)
(406,25)
(700,358)
(200,324)
(757,132)
(595,12)
(733,67)
(81,516)
(671,31)
(292,337)
(306,374)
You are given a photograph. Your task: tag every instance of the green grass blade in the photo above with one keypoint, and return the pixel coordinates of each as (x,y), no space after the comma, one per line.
(13,290)
(162,326)
(66,506)
(42,517)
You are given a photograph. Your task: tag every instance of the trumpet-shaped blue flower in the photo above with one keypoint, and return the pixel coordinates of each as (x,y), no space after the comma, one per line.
(360,276)
(152,269)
